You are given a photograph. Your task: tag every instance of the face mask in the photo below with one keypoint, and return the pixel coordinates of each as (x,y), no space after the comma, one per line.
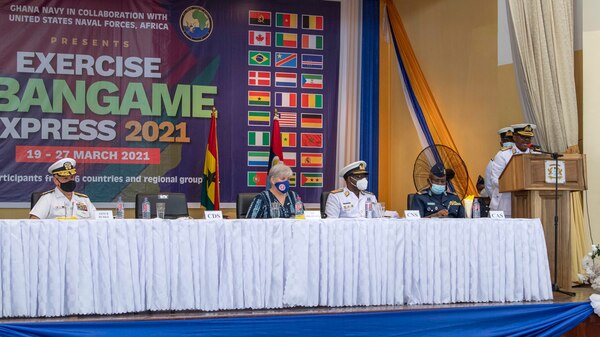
(508,144)
(438,189)
(69,186)
(283,186)
(362,184)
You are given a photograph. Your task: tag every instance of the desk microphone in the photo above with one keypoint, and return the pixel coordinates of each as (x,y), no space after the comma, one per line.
(538,148)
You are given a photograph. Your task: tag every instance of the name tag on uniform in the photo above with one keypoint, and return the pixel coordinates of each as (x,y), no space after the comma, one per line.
(412,214)
(347,206)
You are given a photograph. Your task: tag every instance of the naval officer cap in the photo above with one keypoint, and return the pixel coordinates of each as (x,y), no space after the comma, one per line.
(438,170)
(524,129)
(63,168)
(506,132)
(358,167)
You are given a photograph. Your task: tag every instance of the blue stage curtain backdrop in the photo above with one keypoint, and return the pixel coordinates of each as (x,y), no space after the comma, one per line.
(513,320)
(369,97)
(127,87)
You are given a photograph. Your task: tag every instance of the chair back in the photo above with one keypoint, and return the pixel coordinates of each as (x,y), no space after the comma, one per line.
(175,204)
(242,203)
(324,197)
(409,199)
(35,196)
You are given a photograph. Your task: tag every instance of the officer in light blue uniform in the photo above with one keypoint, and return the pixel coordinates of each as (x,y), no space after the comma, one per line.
(437,201)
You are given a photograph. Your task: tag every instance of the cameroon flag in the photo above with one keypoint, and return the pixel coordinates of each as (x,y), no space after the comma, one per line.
(210,179)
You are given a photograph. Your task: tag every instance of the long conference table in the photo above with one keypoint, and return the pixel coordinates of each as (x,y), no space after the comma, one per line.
(58,268)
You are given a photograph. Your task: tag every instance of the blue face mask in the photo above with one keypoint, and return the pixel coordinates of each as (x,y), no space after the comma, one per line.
(283,186)
(508,144)
(438,189)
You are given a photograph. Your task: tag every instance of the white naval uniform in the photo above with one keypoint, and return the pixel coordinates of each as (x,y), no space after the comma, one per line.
(501,201)
(51,205)
(343,203)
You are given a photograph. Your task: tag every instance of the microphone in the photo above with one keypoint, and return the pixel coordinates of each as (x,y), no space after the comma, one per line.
(534,147)
(538,148)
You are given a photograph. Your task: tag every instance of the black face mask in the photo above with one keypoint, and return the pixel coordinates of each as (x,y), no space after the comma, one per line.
(69,186)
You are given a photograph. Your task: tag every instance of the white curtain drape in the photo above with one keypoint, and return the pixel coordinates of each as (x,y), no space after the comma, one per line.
(543,52)
(542,44)
(348,135)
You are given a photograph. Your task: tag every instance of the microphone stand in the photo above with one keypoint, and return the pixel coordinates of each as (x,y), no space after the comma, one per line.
(555,286)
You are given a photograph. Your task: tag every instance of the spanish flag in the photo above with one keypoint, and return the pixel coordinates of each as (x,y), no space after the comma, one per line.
(210,179)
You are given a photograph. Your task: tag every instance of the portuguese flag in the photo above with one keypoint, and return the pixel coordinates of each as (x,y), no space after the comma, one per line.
(209,196)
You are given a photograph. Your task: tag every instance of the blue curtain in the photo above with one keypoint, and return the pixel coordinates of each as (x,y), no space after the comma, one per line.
(508,320)
(369,92)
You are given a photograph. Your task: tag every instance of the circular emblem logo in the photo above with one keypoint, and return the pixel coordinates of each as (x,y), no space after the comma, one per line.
(196,23)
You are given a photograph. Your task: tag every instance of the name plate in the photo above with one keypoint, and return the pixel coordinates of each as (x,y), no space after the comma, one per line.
(553,172)
(104,215)
(497,214)
(212,215)
(412,214)
(312,214)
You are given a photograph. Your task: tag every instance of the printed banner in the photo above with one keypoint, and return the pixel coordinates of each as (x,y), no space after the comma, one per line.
(126,88)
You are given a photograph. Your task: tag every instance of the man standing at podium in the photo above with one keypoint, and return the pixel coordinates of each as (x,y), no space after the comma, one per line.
(522,134)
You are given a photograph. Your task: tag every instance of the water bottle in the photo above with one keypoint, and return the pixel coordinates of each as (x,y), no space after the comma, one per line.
(369,208)
(476,210)
(299,209)
(146,209)
(120,213)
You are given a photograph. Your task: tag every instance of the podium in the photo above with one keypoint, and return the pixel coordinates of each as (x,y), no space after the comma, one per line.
(533,197)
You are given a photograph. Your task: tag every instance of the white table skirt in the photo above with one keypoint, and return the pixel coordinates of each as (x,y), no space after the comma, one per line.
(56,268)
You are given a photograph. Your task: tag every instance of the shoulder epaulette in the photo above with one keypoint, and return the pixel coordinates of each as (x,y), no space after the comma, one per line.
(81,195)
(44,193)
(450,192)
(506,148)
(423,191)
(367,192)
(337,191)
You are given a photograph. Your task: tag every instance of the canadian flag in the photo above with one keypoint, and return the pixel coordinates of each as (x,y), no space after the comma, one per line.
(259,38)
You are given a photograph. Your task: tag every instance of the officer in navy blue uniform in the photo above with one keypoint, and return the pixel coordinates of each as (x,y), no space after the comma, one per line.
(436,201)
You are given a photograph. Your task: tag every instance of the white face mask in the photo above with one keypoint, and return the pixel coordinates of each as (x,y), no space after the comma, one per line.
(362,184)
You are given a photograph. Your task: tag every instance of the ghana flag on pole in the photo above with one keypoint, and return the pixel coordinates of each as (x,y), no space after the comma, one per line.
(209,195)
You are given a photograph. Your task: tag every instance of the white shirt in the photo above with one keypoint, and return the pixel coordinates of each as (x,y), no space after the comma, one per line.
(53,204)
(501,201)
(343,203)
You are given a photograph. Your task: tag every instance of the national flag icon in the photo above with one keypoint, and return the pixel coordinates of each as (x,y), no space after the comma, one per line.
(311,159)
(314,101)
(259,78)
(289,159)
(258,158)
(311,140)
(312,22)
(312,81)
(259,58)
(286,20)
(286,40)
(314,121)
(293,179)
(288,139)
(262,98)
(286,60)
(310,41)
(260,18)
(312,61)
(310,179)
(259,38)
(288,119)
(286,99)
(259,138)
(259,118)
(257,179)
(286,80)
